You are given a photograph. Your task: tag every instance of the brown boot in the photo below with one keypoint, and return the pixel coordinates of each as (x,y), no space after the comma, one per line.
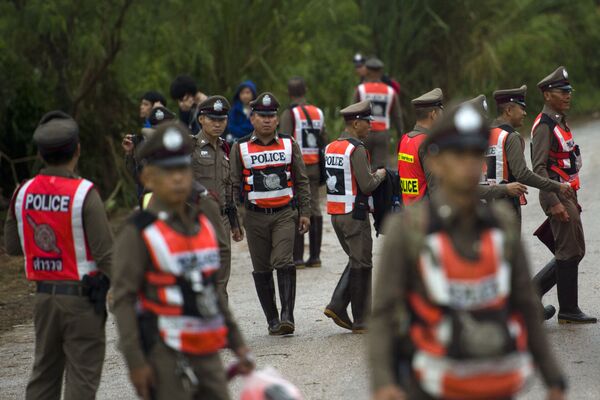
(299,250)
(337,307)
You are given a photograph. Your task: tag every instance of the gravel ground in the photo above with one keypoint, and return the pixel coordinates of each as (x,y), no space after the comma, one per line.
(328,363)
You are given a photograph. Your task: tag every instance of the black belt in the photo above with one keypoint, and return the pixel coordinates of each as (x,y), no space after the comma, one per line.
(253,207)
(62,288)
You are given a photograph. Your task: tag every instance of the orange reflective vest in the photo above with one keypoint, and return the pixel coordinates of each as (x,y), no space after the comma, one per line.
(308,128)
(179,287)
(566,161)
(469,343)
(496,169)
(49,214)
(382,98)
(342,187)
(413,182)
(267,172)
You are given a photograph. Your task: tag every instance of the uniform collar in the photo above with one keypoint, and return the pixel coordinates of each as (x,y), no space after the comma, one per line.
(165,213)
(499,122)
(58,171)
(254,138)
(552,113)
(204,140)
(449,215)
(299,102)
(347,135)
(420,128)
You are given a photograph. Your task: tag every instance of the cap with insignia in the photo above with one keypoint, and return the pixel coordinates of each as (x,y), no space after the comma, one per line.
(56,131)
(265,104)
(160,115)
(359,60)
(361,110)
(434,98)
(559,79)
(516,96)
(170,146)
(480,104)
(374,63)
(463,127)
(215,107)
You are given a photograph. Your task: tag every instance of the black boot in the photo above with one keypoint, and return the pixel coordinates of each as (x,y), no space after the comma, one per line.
(315,234)
(360,288)
(336,309)
(299,250)
(569,312)
(544,281)
(286,279)
(265,288)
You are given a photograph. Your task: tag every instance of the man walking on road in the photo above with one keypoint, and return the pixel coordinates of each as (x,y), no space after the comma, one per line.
(454,308)
(349,185)
(555,155)
(268,170)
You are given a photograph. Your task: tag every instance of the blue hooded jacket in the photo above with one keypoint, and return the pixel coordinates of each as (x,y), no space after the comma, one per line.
(238,124)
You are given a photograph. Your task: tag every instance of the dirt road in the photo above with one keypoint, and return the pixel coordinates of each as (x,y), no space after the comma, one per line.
(328,363)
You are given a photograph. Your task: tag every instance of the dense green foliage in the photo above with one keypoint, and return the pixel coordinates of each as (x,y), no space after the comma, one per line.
(95,59)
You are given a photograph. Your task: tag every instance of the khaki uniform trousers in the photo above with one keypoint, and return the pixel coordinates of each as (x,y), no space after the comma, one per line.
(69,337)
(355,238)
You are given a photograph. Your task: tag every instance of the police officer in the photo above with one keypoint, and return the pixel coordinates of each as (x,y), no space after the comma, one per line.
(57,221)
(210,164)
(268,171)
(306,124)
(555,155)
(477,339)
(349,184)
(171,320)
(386,111)
(415,176)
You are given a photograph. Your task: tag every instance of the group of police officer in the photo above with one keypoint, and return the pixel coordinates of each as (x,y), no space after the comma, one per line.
(455,314)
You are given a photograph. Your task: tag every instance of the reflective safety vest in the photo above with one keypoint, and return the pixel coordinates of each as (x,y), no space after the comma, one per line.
(566,161)
(267,172)
(496,169)
(308,129)
(342,187)
(49,214)
(180,286)
(413,182)
(469,343)
(382,98)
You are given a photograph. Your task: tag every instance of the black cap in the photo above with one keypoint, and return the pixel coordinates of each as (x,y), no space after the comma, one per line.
(462,127)
(160,115)
(265,104)
(360,110)
(215,107)
(56,131)
(170,146)
(516,96)
(559,79)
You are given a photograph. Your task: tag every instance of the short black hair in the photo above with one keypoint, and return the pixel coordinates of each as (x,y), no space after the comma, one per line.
(296,87)
(59,156)
(154,97)
(502,107)
(183,85)
(423,112)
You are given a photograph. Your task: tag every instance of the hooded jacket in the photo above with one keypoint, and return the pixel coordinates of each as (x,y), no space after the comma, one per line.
(238,124)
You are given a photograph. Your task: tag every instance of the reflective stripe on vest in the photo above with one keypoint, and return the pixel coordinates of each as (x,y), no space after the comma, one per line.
(341,183)
(381,97)
(464,286)
(413,182)
(307,136)
(495,168)
(49,213)
(195,325)
(566,162)
(267,172)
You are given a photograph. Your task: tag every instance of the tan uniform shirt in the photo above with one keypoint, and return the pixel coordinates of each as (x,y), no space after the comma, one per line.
(95,224)
(395,112)
(210,165)
(132,260)
(399,274)
(300,179)
(542,141)
(361,166)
